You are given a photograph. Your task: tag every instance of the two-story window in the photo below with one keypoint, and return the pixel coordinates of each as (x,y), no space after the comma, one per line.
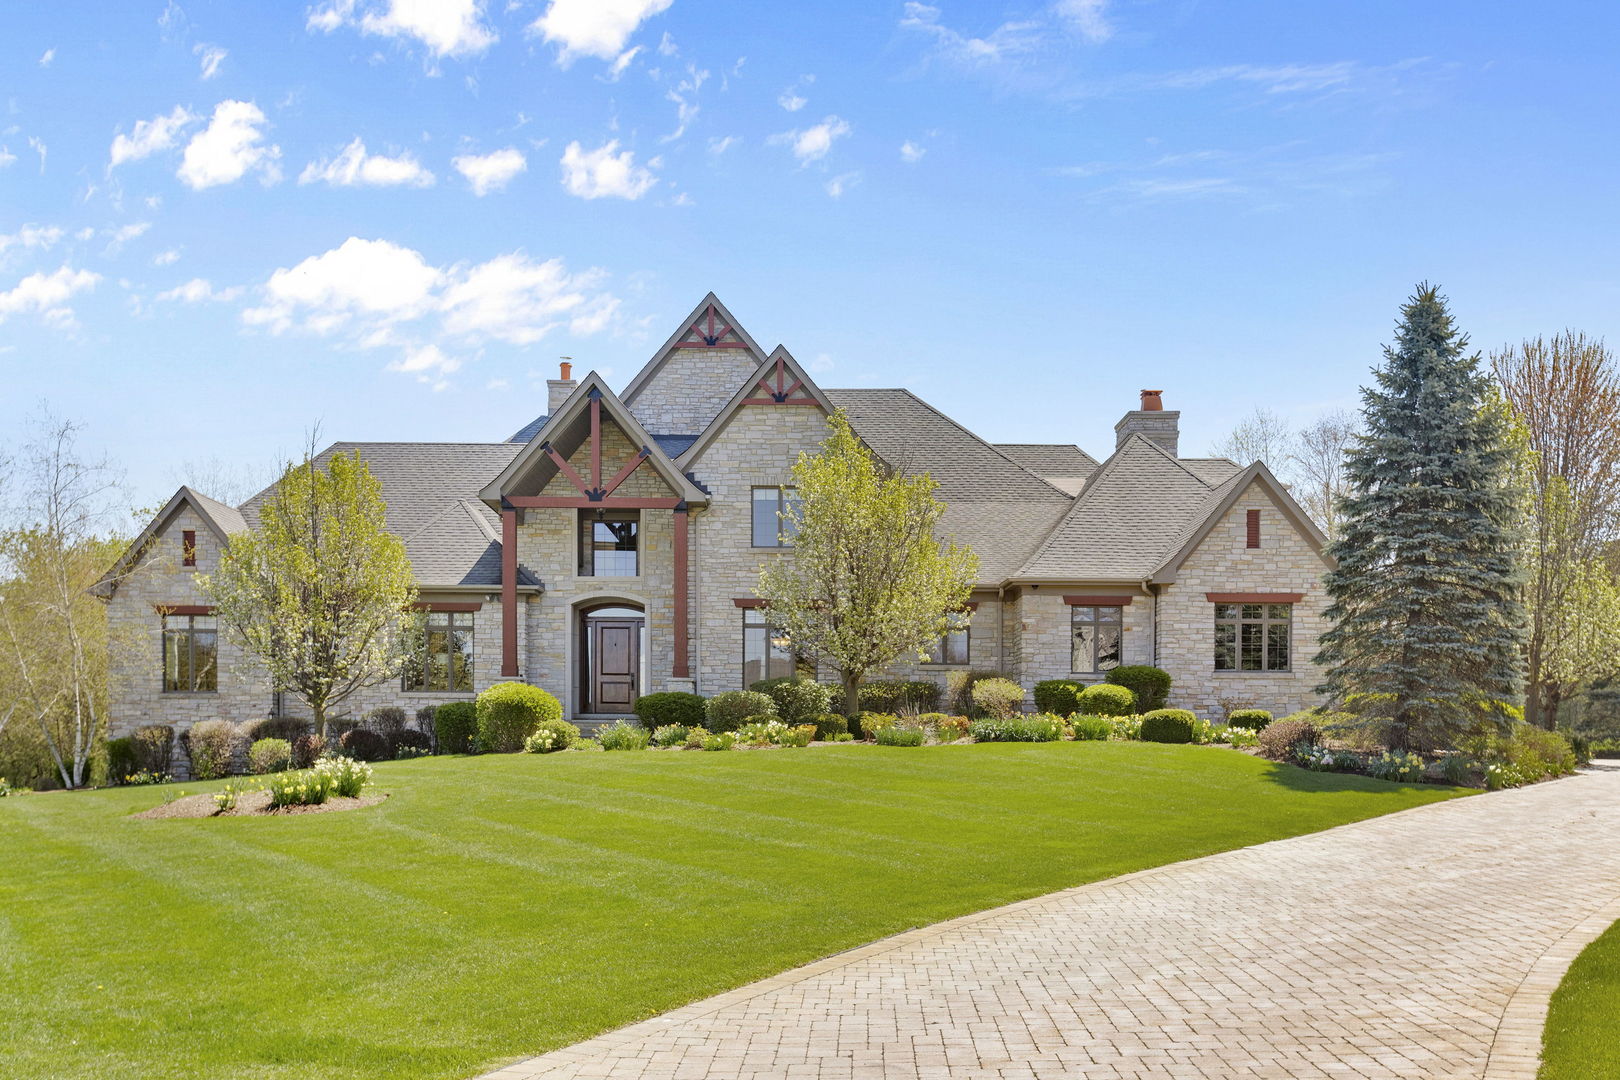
(954,648)
(190,654)
(767,652)
(439,652)
(1096,636)
(1253,637)
(609,543)
(773,523)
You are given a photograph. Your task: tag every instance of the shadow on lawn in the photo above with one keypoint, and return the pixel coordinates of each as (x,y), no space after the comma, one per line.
(1296,778)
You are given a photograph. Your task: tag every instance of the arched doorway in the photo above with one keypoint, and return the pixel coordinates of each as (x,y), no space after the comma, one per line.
(610,651)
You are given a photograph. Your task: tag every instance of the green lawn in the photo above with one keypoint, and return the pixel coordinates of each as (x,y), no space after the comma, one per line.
(1579,1040)
(500,906)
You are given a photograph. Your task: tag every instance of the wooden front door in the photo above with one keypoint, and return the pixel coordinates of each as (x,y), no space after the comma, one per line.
(615,651)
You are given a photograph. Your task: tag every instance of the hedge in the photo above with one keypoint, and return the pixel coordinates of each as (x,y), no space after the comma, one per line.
(669,707)
(1151,685)
(509,712)
(1106,699)
(454,725)
(1168,726)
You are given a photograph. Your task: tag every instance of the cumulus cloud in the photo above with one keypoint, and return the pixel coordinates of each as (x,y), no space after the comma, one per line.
(597,28)
(510,298)
(210,57)
(36,237)
(166,258)
(354,167)
(122,235)
(197,290)
(492,171)
(911,153)
(231,146)
(605,172)
(446,27)
(812,143)
(149,136)
(370,280)
(47,294)
(792,101)
(6,156)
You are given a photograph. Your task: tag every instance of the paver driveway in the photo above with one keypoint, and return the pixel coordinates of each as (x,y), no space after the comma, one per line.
(1422,944)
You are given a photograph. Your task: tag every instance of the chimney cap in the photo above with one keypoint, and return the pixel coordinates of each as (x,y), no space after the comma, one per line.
(1151,402)
(565,371)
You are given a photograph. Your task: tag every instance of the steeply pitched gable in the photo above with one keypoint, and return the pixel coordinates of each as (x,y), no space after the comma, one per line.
(777,382)
(691,376)
(222,521)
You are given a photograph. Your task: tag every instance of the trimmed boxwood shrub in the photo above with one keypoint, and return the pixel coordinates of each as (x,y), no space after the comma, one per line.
(798,701)
(1249,719)
(669,707)
(1106,699)
(1168,726)
(275,727)
(1091,728)
(306,749)
(269,755)
(210,745)
(899,695)
(1280,737)
(121,759)
(829,725)
(998,698)
(1151,685)
(362,744)
(1057,696)
(730,710)
(509,712)
(454,725)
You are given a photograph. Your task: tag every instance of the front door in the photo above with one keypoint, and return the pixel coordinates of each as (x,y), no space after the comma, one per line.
(615,653)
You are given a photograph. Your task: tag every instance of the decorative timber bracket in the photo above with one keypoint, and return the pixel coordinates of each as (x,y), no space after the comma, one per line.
(781,393)
(713,332)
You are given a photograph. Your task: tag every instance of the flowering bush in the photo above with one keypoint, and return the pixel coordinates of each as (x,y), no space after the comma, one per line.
(309,788)
(900,735)
(1037,728)
(347,776)
(703,739)
(671,735)
(1240,738)
(1126,727)
(551,735)
(144,777)
(870,723)
(761,731)
(623,736)
(947,728)
(225,798)
(1322,759)
(798,701)
(1499,775)
(797,735)
(1088,728)
(1399,765)
(269,755)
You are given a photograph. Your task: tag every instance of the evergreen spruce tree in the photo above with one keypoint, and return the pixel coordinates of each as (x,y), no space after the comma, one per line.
(1427,619)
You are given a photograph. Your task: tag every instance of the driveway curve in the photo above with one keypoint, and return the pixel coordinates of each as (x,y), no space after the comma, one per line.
(1420,944)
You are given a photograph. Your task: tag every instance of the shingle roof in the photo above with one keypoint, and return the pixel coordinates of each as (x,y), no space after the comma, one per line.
(228,519)
(1212,470)
(1062,465)
(528,431)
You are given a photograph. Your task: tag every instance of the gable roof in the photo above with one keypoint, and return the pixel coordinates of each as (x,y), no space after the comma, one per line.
(222,521)
(567,427)
(778,375)
(1219,501)
(1063,465)
(458,546)
(1211,470)
(711,325)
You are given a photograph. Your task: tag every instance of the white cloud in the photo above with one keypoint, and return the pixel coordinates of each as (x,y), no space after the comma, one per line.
(513,299)
(842,183)
(6,156)
(1089,17)
(166,258)
(492,171)
(210,57)
(354,167)
(124,234)
(46,58)
(603,172)
(229,147)
(36,237)
(37,145)
(684,96)
(428,363)
(197,290)
(666,45)
(597,28)
(47,294)
(622,62)
(792,101)
(911,153)
(149,136)
(718,145)
(369,280)
(812,143)
(1008,39)
(446,27)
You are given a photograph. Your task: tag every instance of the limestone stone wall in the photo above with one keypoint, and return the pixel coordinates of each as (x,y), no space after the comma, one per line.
(690,388)
(1047,632)
(1284,562)
(984,643)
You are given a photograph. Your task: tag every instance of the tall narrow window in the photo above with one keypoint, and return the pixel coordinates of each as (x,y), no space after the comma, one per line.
(954,648)
(608,543)
(439,652)
(188,547)
(1097,637)
(767,652)
(1253,524)
(772,525)
(190,654)
(1253,637)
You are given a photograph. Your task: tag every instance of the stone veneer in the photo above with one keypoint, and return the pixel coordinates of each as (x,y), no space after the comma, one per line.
(690,388)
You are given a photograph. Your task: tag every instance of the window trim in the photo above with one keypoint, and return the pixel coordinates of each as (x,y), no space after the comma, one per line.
(585,540)
(936,656)
(783,543)
(1094,621)
(188,547)
(188,632)
(449,613)
(1266,621)
(802,668)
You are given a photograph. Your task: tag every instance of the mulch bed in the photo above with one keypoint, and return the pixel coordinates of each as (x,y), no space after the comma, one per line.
(250,804)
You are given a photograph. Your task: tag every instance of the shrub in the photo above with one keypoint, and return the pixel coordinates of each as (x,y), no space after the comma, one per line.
(1057,696)
(363,744)
(1249,719)
(154,748)
(210,744)
(553,735)
(347,776)
(1151,685)
(225,798)
(300,788)
(509,712)
(704,739)
(899,695)
(959,691)
(1126,727)
(1106,699)
(1280,737)
(900,735)
(306,750)
(1240,738)
(730,710)
(1037,728)
(1168,726)
(998,698)
(798,735)
(454,725)
(798,701)
(843,736)
(1459,770)
(410,743)
(275,727)
(1523,755)
(623,736)
(386,721)
(1321,759)
(946,728)
(670,707)
(671,735)
(870,723)
(1402,766)
(830,725)
(760,730)
(1091,728)
(269,755)
(122,760)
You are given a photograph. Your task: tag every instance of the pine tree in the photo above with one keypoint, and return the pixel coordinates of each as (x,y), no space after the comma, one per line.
(1428,622)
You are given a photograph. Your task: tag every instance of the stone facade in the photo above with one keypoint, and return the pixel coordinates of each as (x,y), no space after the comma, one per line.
(690,388)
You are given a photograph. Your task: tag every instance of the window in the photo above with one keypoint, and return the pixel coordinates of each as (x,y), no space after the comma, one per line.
(190,654)
(767,652)
(188,547)
(771,528)
(607,543)
(1252,637)
(953,648)
(439,652)
(1096,637)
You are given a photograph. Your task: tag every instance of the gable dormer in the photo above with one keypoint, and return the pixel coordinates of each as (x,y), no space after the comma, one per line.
(694,374)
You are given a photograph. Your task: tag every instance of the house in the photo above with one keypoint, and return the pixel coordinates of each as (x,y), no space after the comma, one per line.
(611,548)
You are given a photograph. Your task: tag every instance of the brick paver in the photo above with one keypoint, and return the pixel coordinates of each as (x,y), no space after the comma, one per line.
(1421,944)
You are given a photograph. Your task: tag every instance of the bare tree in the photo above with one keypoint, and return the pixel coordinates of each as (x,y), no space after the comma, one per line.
(230,483)
(1262,436)
(1316,461)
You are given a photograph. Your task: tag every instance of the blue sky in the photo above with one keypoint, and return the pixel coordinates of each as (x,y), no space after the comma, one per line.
(223,222)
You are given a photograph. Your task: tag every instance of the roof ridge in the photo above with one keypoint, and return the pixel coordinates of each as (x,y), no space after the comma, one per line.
(964,429)
(1168,456)
(472,506)
(1093,484)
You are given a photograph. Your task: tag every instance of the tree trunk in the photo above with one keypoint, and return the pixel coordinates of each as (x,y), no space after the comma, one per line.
(319,709)
(852,694)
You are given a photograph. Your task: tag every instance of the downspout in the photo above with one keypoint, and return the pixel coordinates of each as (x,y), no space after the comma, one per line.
(1001,628)
(1153,617)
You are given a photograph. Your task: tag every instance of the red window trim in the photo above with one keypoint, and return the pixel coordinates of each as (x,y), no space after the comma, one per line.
(183,609)
(1254,597)
(1253,523)
(447,605)
(750,602)
(188,547)
(1097,601)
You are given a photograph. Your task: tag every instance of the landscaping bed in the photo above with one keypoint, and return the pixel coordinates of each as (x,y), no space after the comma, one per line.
(251,804)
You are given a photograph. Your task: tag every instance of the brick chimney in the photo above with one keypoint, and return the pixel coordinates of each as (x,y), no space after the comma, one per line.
(558,389)
(1151,421)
